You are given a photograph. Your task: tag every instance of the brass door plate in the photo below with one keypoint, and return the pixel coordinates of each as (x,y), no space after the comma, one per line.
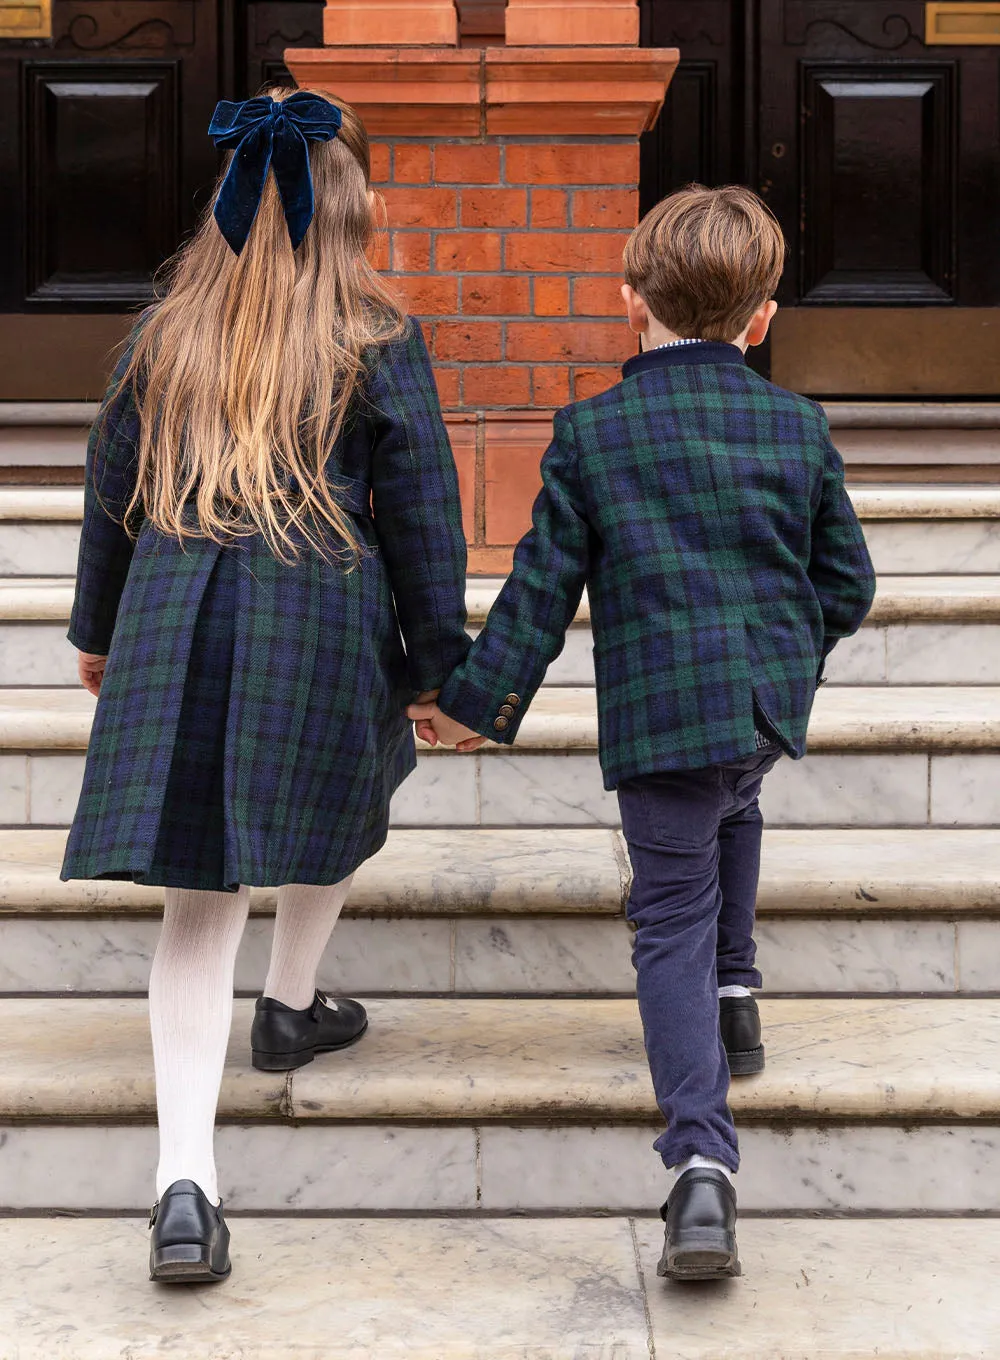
(962,25)
(25,19)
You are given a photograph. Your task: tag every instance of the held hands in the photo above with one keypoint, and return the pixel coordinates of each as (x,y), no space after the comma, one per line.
(436,727)
(90,668)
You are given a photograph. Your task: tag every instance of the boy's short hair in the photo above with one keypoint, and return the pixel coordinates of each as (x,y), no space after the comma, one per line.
(704,260)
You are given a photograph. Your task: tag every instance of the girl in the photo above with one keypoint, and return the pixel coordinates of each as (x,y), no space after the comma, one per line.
(272,565)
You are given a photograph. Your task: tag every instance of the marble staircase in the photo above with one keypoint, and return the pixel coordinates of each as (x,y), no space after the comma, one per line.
(504,1073)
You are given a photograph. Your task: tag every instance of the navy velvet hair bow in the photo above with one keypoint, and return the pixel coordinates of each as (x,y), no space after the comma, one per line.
(269,134)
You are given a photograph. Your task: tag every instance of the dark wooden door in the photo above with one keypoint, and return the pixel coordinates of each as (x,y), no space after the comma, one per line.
(879,153)
(105,164)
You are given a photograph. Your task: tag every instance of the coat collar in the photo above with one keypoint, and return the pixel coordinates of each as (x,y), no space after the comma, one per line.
(704,352)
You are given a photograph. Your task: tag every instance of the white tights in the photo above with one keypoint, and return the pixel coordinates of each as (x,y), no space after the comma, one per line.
(191,1006)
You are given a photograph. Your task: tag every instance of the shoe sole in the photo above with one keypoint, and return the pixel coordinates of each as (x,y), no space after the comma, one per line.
(288,1062)
(184,1263)
(748,1062)
(701,1256)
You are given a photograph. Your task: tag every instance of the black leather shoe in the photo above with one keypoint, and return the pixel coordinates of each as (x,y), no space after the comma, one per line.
(700,1215)
(739,1019)
(190,1242)
(282,1038)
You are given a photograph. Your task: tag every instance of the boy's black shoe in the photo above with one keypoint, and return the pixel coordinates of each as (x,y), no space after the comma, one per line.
(700,1240)
(190,1242)
(739,1020)
(282,1038)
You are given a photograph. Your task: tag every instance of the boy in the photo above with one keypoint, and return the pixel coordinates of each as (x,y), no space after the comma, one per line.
(705,510)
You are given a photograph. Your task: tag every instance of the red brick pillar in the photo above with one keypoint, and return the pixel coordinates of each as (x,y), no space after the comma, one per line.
(510,177)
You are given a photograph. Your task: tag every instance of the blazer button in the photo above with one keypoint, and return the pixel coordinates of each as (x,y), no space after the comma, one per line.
(513,700)
(506,711)
(501,724)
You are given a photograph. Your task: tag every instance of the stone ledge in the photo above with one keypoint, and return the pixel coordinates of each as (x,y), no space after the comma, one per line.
(900,599)
(532,871)
(418,873)
(872,502)
(516,1060)
(836,1288)
(409,92)
(919,718)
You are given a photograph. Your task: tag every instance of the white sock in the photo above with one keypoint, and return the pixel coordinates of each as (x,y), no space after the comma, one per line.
(303,925)
(697,1160)
(735,990)
(190,1015)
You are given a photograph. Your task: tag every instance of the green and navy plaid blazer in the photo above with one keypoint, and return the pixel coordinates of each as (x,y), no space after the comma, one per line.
(705,510)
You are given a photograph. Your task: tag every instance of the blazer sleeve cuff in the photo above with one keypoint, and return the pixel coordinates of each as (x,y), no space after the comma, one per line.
(498,720)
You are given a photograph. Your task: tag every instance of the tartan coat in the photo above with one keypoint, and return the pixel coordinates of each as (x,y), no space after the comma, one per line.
(705,511)
(251,726)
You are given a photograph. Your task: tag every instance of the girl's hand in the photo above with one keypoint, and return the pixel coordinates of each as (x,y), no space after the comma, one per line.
(444,729)
(91,671)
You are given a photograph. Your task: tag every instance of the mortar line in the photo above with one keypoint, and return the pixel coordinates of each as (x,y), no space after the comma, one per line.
(650,1339)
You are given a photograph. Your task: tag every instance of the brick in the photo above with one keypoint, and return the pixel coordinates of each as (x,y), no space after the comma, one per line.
(468,252)
(586,163)
(378,251)
(590,382)
(468,341)
(412,164)
(421,207)
(549,208)
(429,295)
(494,208)
(551,385)
(605,207)
(411,251)
(491,561)
(579,252)
(449,382)
(466,164)
(584,342)
(536,23)
(380,162)
(551,296)
(495,295)
(597,296)
(496,385)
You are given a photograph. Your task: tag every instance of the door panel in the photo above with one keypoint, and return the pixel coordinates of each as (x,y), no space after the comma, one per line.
(102,179)
(878,184)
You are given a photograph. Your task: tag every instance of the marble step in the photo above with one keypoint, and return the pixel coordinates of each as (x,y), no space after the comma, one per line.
(887,757)
(922,630)
(550,1288)
(911,530)
(522,912)
(514,1105)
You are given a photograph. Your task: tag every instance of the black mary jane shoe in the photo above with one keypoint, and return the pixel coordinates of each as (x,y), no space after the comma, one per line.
(700,1239)
(282,1039)
(739,1020)
(190,1242)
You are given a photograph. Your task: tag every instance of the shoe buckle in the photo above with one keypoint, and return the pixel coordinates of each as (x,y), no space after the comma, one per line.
(153,1213)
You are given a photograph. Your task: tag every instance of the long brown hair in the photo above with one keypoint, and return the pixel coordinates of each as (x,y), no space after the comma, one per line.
(245,368)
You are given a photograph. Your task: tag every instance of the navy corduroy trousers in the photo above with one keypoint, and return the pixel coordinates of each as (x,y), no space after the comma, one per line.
(694,840)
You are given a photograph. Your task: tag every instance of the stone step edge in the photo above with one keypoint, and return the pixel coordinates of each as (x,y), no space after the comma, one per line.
(530,872)
(922,1288)
(842,1060)
(857,719)
(901,501)
(899,599)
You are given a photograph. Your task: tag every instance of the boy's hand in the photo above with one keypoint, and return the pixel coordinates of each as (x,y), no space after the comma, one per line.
(90,668)
(433,726)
